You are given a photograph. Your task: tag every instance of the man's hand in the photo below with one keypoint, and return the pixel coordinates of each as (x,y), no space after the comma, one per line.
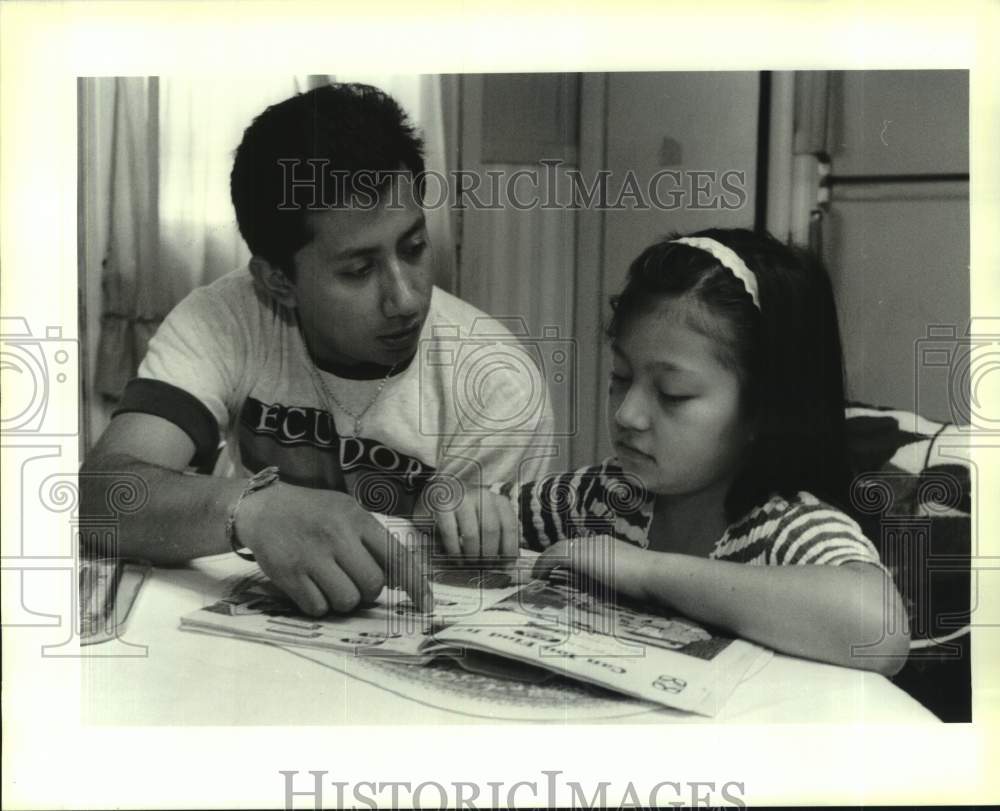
(326,552)
(482,527)
(602,558)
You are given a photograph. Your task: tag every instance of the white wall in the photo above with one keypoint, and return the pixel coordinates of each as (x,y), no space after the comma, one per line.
(710,120)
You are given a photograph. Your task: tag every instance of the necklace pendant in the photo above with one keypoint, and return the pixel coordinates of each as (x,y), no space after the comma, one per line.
(357,428)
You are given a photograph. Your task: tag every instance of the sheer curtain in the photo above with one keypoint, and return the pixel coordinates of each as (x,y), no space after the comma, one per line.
(156,216)
(131,304)
(201,123)
(171,226)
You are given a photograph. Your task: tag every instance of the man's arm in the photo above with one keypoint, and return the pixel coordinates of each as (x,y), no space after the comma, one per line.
(318,546)
(184,516)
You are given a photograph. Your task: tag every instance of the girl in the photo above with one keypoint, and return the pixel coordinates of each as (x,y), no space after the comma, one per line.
(726,412)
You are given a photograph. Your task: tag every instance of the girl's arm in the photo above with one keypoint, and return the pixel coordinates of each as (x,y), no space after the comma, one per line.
(562,506)
(847,615)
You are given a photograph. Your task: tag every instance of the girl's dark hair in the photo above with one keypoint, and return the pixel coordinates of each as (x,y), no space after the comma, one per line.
(787,355)
(340,131)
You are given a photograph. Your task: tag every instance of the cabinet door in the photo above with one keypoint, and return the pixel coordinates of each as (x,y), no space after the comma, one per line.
(899,257)
(899,122)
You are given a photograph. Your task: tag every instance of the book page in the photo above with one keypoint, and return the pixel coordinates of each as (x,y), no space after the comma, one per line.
(556,625)
(254,608)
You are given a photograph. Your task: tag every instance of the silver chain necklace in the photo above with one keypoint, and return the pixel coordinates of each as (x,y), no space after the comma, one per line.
(329,395)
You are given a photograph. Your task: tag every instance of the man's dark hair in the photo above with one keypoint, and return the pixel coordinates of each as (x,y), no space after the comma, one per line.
(787,355)
(345,129)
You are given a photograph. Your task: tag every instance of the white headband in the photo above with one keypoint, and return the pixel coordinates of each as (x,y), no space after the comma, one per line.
(729,259)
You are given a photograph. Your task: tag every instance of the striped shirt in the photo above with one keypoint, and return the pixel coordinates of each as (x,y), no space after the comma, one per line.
(603,499)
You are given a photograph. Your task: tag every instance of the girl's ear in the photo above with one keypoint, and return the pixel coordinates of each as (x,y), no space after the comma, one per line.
(273,280)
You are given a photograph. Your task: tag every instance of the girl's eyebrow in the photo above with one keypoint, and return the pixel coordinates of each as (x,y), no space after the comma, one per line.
(667,366)
(656,365)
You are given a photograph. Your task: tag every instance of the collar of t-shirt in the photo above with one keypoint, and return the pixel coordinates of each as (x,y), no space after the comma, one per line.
(364,371)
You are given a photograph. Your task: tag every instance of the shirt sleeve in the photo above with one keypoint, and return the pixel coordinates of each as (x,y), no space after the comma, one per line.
(565,505)
(190,372)
(812,532)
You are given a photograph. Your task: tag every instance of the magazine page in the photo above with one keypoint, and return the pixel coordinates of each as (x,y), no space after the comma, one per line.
(582,633)
(556,625)
(255,609)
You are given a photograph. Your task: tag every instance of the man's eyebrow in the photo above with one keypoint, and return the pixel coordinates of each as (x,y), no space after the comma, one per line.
(419,223)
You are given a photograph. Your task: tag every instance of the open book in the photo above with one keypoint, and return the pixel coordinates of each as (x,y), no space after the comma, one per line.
(503,622)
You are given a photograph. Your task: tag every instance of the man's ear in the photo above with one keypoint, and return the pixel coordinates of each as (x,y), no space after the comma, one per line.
(274,280)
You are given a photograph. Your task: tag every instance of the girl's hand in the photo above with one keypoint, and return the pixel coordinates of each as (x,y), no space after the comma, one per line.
(482,527)
(617,564)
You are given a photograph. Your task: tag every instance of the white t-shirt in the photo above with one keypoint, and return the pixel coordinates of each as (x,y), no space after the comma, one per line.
(229,363)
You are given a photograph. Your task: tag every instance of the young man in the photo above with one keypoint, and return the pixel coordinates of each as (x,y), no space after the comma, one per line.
(321,359)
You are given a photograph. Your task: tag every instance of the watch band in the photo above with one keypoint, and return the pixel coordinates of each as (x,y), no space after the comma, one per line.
(260,480)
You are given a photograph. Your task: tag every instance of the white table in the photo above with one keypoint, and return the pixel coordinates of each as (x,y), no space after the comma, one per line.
(189,678)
